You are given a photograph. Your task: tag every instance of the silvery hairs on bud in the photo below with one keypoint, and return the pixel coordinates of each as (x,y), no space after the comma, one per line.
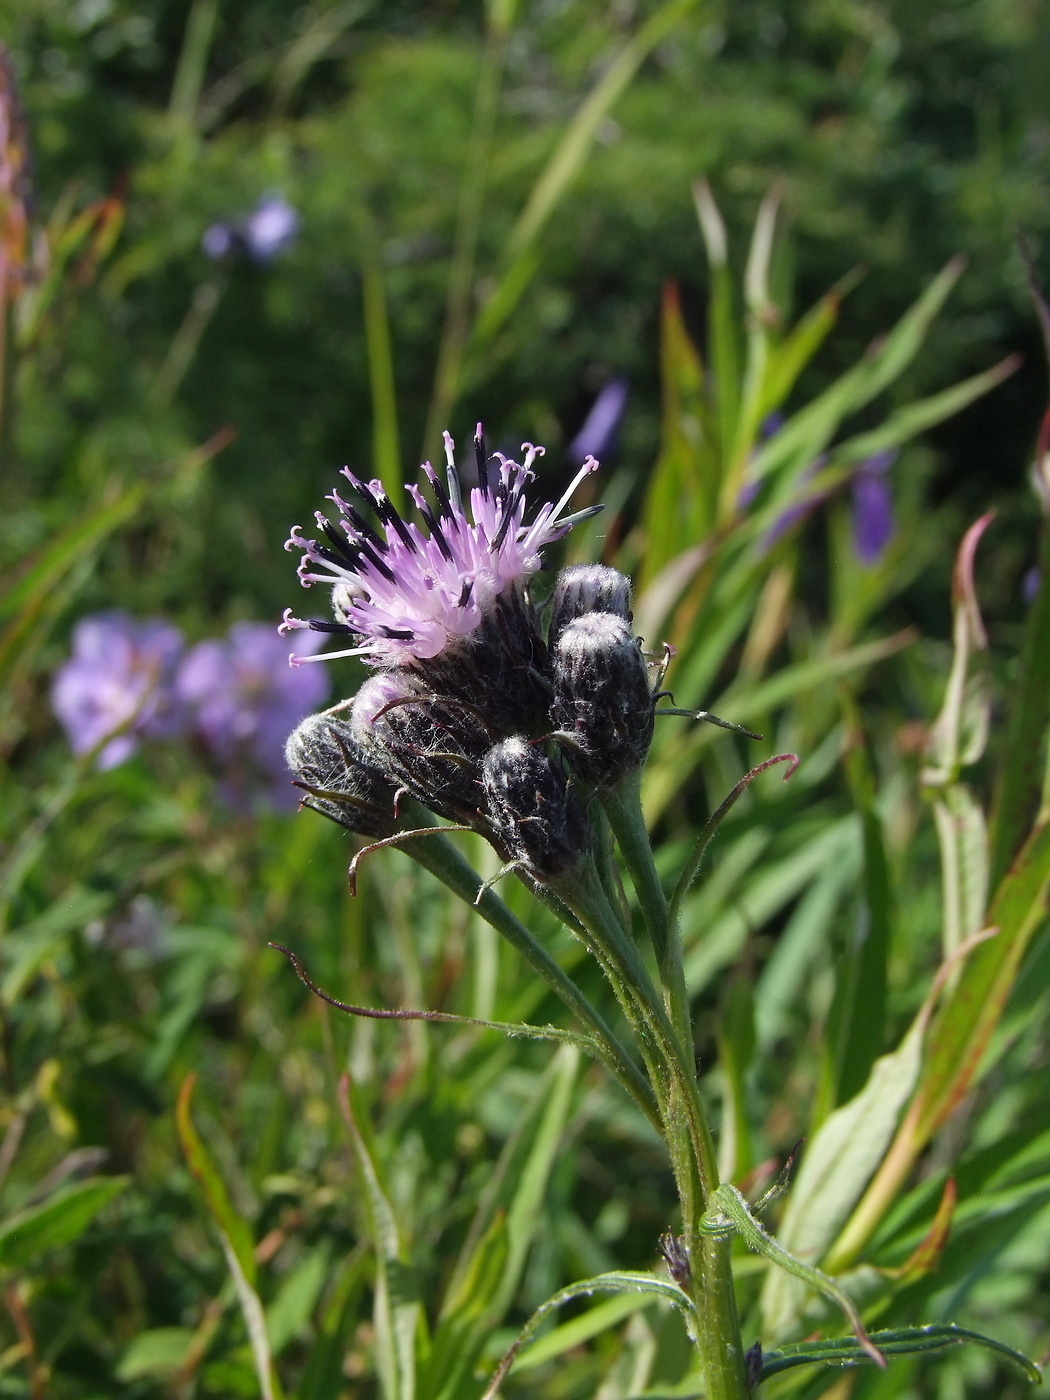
(428,744)
(603,702)
(328,764)
(588,588)
(534,810)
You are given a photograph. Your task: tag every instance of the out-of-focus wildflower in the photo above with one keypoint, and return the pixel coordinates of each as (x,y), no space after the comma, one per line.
(117,685)
(597,437)
(14,181)
(872,508)
(769,427)
(244,700)
(1030,584)
(401,595)
(269,230)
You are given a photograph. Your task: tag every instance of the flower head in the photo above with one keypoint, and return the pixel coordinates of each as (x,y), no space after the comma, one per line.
(245,701)
(117,685)
(405,593)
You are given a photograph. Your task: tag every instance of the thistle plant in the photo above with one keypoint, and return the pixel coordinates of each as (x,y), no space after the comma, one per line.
(480,718)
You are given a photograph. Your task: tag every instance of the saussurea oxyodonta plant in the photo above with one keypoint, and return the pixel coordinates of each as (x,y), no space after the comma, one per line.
(530,727)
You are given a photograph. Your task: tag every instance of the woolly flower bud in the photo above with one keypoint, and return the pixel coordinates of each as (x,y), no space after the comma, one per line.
(533,809)
(602,698)
(588,588)
(426,743)
(324,756)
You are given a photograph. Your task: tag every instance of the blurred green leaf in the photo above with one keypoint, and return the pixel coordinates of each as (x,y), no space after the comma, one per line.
(160,1351)
(58,1221)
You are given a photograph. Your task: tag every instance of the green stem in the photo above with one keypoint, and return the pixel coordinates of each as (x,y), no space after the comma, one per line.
(685,1130)
(440,857)
(623,807)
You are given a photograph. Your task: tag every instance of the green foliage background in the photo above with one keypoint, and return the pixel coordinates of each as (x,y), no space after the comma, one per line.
(902,134)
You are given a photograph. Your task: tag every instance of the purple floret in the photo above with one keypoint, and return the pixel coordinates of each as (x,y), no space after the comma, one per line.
(117,682)
(245,700)
(873,526)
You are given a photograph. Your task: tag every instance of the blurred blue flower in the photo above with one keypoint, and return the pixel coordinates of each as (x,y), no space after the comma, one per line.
(597,437)
(118,681)
(873,525)
(245,699)
(1030,584)
(269,230)
(769,427)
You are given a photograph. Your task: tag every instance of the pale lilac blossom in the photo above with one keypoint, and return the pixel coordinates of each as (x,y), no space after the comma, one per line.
(402,594)
(597,437)
(244,701)
(269,230)
(117,685)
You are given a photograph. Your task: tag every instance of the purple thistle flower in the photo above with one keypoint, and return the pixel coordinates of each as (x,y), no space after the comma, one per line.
(872,508)
(117,682)
(403,595)
(597,437)
(245,701)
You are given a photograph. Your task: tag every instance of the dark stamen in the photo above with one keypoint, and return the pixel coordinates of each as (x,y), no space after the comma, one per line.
(339,542)
(397,634)
(465,592)
(339,628)
(481,457)
(376,559)
(321,551)
(509,511)
(435,529)
(444,504)
(389,515)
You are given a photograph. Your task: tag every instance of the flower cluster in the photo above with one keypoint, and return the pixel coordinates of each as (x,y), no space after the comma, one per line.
(474,709)
(235,699)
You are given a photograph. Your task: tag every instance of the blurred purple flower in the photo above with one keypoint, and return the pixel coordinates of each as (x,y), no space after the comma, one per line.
(269,230)
(245,700)
(872,508)
(1030,584)
(597,437)
(799,509)
(118,678)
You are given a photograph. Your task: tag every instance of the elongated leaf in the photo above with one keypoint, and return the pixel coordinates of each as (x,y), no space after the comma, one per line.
(396,1309)
(592,1323)
(254,1322)
(565,164)
(964,1027)
(908,422)
(160,1351)
(744,704)
(809,431)
(616,1282)
(58,1221)
(233,1228)
(837,1165)
(900,1341)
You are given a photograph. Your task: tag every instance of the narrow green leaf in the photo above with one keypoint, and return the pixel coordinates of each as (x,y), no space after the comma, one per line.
(60,1220)
(230,1224)
(290,1312)
(397,1310)
(901,1341)
(616,1282)
(972,1010)
(565,164)
(837,1164)
(158,1352)
(592,1323)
